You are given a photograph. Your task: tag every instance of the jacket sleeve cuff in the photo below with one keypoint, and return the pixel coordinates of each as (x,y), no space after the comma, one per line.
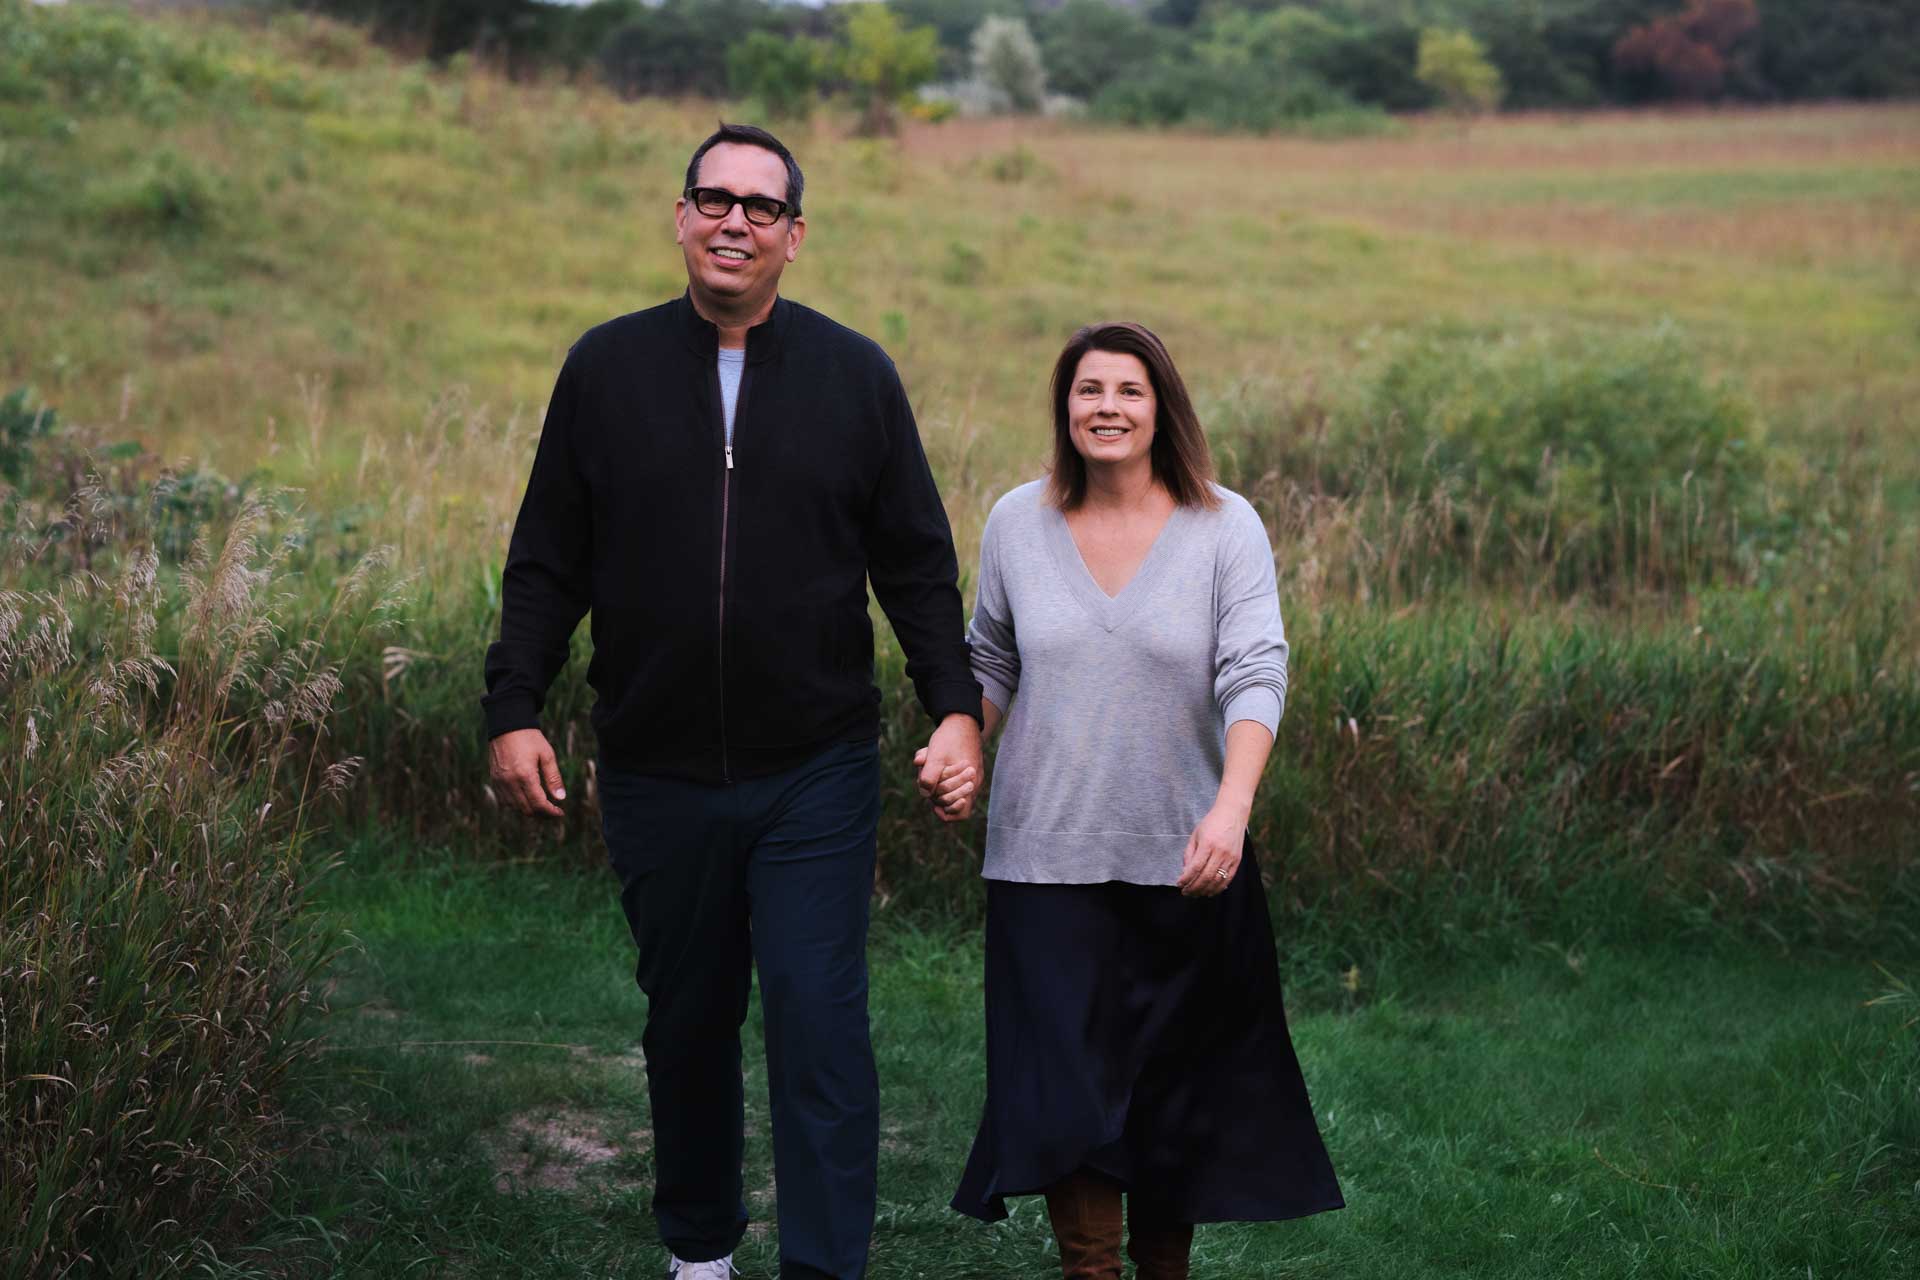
(1259,704)
(509,712)
(952,697)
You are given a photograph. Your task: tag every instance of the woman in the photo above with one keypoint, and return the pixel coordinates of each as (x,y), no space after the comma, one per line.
(1136,1043)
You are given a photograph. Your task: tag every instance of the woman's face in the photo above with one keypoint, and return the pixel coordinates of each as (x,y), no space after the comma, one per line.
(1110,409)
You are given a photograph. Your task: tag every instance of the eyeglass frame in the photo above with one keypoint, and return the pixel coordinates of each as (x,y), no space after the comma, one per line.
(782,208)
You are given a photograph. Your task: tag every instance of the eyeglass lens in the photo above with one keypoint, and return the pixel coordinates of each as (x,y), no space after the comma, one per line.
(717,202)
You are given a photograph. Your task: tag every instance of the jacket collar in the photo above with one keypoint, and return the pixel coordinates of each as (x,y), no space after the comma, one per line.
(703,338)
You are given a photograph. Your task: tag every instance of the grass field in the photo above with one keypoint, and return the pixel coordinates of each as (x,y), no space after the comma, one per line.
(345,265)
(1590,447)
(1567,1108)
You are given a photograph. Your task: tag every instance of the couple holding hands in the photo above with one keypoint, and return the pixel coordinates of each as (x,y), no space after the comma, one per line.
(718,480)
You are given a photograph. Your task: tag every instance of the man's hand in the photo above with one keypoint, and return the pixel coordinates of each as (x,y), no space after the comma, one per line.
(524,766)
(952,797)
(950,767)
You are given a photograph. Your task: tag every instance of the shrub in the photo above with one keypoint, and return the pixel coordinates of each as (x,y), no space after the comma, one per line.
(96,57)
(23,424)
(1562,445)
(963,265)
(1592,467)
(1017,164)
(1230,89)
(169,193)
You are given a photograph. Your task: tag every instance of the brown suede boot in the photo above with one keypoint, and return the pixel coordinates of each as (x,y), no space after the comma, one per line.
(1158,1245)
(1084,1207)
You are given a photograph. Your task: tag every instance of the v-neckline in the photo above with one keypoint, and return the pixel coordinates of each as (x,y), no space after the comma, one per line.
(1109,611)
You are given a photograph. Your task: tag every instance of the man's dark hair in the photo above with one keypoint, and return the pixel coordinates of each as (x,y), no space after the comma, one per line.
(748,135)
(1181,460)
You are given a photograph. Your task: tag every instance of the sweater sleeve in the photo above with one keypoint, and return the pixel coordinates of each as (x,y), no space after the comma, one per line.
(545,589)
(911,562)
(996,654)
(1250,649)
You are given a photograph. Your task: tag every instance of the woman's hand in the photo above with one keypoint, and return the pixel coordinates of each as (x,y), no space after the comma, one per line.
(1213,852)
(952,796)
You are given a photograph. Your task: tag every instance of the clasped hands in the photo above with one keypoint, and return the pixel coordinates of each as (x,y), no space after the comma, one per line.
(950,769)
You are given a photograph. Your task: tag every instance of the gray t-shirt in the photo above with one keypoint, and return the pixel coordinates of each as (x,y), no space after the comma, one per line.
(732,361)
(1117,707)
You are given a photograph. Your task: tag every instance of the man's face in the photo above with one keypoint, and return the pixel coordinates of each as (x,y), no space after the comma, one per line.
(728,258)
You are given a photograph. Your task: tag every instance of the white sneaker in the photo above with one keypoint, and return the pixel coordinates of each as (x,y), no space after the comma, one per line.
(718,1269)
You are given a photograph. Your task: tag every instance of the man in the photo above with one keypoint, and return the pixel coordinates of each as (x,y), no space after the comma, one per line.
(717,480)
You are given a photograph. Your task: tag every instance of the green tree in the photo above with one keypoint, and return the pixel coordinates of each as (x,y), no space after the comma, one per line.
(1369,61)
(1007,61)
(884,61)
(1454,65)
(781,74)
(1839,48)
(519,32)
(679,46)
(1088,45)
(588,28)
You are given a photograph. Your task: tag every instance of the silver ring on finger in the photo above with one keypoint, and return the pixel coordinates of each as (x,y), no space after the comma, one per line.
(1223,875)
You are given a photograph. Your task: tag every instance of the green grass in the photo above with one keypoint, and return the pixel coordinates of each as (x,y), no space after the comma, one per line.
(1594,1107)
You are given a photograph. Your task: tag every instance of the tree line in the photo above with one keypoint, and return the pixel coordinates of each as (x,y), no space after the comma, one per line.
(1229,63)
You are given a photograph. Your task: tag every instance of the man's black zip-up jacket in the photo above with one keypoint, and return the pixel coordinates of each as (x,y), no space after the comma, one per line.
(728,586)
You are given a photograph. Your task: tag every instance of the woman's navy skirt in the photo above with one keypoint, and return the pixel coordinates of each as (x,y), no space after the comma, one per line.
(1141,1034)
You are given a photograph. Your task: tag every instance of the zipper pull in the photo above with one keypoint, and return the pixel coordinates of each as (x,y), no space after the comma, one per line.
(729,457)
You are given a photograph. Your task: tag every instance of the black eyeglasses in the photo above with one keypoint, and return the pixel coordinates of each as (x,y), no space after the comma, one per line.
(718,202)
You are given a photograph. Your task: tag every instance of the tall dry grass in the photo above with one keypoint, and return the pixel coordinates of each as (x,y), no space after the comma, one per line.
(164,731)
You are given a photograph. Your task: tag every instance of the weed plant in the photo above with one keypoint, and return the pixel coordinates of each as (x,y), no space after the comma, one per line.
(162,727)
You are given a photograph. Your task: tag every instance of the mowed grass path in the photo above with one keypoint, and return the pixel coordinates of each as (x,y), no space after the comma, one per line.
(1643,1110)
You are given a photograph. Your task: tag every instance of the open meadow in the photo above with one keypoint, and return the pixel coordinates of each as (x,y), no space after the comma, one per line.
(1590,448)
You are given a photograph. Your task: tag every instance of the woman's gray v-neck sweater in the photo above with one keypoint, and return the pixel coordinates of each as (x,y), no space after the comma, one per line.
(1117,706)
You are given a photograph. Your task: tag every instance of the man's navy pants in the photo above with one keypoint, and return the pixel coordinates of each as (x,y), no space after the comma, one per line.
(713,879)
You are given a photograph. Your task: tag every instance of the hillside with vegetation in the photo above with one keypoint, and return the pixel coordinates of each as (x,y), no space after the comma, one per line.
(1588,445)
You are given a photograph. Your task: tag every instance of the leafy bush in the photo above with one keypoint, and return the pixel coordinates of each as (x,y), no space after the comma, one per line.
(1595,466)
(97,57)
(1018,163)
(1241,77)
(168,193)
(23,424)
(1558,444)
(163,737)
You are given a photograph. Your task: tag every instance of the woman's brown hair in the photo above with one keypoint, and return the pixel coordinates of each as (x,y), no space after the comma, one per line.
(1181,461)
